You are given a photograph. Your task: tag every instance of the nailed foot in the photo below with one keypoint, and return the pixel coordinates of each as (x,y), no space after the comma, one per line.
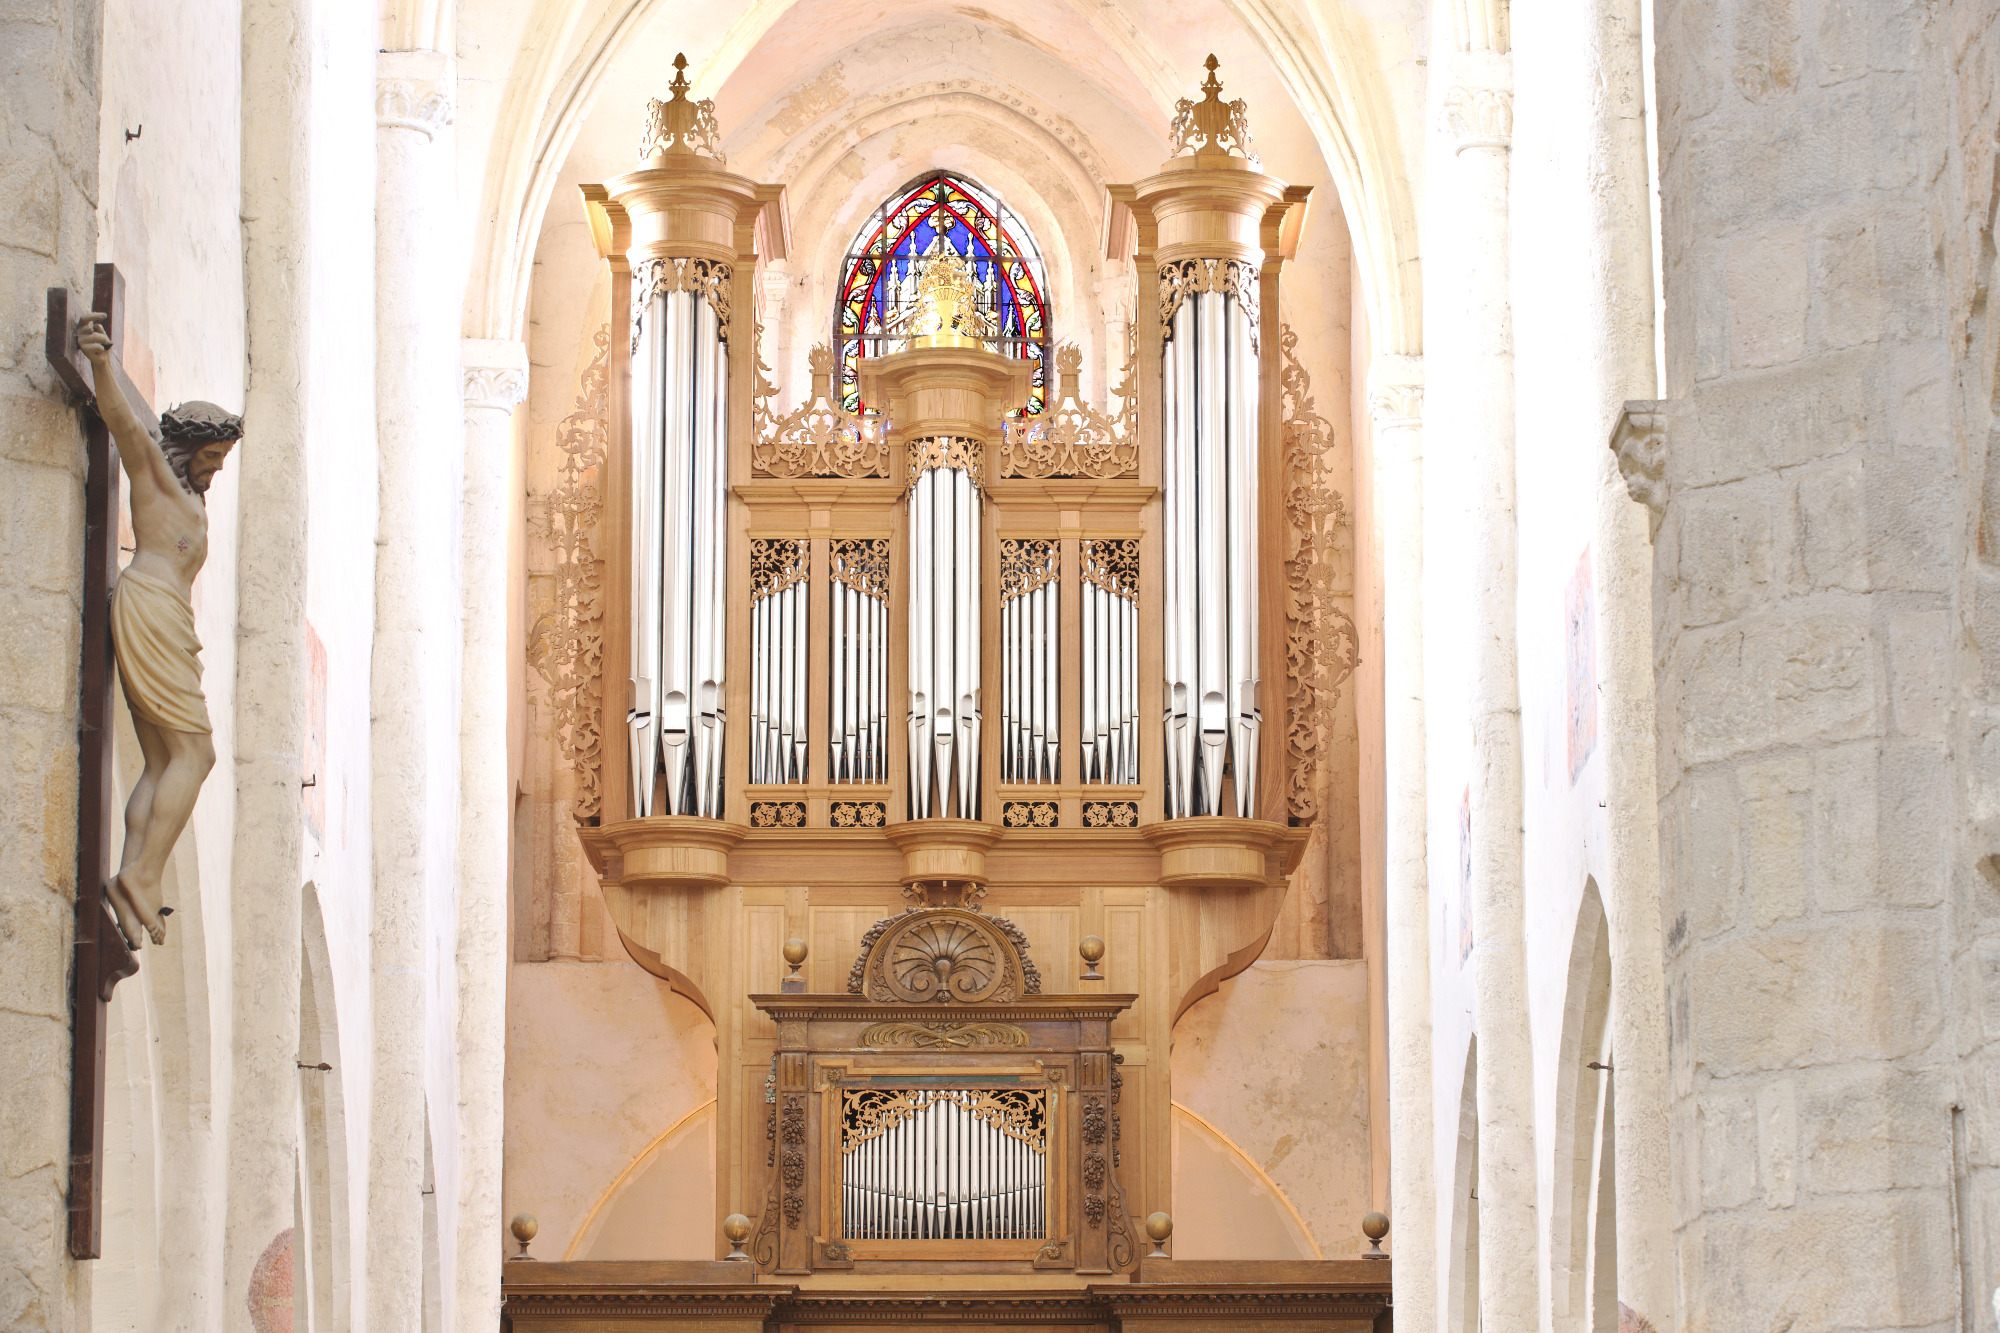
(144,900)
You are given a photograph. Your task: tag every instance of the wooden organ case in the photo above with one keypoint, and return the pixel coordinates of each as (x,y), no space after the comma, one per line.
(933,700)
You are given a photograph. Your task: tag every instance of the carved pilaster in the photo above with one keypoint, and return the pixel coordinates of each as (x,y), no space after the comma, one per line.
(1640,442)
(496,374)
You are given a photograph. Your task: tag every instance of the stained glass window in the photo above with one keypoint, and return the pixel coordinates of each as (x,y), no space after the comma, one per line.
(935,215)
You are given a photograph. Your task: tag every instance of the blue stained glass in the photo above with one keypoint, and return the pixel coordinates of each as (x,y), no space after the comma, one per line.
(936,214)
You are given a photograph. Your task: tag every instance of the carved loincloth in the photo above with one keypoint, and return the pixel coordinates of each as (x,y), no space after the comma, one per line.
(159,657)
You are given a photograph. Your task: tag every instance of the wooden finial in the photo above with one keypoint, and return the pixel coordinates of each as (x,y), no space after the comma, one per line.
(795,954)
(1092,949)
(736,1230)
(1375,1226)
(524,1226)
(1159,1226)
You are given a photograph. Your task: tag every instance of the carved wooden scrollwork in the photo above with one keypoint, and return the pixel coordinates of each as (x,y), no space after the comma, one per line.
(1074,439)
(776,564)
(710,277)
(566,645)
(820,438)
(1322,646)
(956,451)
(1179,280)
(943,1036)
(1025,565)
(944,955)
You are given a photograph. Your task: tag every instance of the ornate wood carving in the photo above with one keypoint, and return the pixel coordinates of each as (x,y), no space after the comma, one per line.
(1075,439)
(1111,814)
(858,814)
(820,438)
(1211,124)
(777,814)
(776,563)
(862,564)
(566,646)
(1029,814)
(1112,566)
(1025,565)
(944,955)
(710,277)
(959,451)
(1179,280)
(944,1036)
(1322,646)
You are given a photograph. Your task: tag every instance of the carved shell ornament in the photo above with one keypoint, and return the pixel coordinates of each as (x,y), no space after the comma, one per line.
(944,955)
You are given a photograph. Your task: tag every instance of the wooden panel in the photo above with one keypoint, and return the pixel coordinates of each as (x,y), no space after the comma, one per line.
(763,960)
(1052,935)
(836,942)
(1124,965)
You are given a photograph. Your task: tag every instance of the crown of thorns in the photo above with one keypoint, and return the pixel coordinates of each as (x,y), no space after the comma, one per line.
(197,422)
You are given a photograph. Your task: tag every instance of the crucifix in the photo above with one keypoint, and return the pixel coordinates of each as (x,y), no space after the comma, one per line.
(140,624)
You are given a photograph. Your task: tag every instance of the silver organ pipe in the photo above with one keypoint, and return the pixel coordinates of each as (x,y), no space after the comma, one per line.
(1031,687)
(943,1164)
(1209,582)
(944,516)
(859,661)
(1110,589)
(777,660)
(680,374)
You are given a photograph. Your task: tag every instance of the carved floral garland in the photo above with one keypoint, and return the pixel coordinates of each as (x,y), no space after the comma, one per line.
(1075,439)
(566,646)
(710,278)
(1322,647)
(1230,276)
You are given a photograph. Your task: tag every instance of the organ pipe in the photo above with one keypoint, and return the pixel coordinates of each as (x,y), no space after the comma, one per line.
(1031,690)
(859,662)
(778,617)
(1110,683)
(680,376)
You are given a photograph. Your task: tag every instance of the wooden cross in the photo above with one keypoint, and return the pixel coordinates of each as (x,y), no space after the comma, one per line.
(100,959)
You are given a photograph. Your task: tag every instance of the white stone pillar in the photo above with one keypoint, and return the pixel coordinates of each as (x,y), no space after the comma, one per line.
(419,439)
(1621,338)
(1471,363)
(496,380)
(268,855)
(1395,407)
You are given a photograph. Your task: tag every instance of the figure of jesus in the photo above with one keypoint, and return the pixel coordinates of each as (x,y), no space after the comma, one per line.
(152,624)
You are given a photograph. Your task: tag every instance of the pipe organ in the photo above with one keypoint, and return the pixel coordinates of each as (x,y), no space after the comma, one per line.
(847,580)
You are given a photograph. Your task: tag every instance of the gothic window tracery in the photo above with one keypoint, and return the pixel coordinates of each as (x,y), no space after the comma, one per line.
(941,213)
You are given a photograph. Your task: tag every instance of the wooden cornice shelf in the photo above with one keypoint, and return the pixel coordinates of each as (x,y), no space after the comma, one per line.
(664,851)
(1218,852)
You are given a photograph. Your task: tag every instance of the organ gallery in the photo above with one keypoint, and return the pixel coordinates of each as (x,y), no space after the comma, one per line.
(945,738)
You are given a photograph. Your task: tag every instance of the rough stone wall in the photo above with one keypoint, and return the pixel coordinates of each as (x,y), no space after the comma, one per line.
(49,64)
(1812,609)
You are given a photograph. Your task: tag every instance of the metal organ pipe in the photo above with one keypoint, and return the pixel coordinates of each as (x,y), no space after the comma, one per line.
(944,718)
(1209,582)
(680,373)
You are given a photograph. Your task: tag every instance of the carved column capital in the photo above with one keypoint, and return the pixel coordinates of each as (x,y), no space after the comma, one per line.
(1480,117)
(1396,393)
(1640,442)
(414,91)
(496,374)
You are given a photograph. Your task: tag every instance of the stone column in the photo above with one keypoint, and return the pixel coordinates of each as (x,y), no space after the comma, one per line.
(268,856)
(49,59)
(1825,622)
(1395,407)
(496,380)
(419,435)
(1621,340)
(1471,364)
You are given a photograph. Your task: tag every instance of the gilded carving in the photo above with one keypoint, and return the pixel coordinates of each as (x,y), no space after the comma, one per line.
(1075,439)
(708,278)
(820,438)
(1025,565)
(566,646)
(943,1036)
(1322,647)
(1019,1113)
(1232,277)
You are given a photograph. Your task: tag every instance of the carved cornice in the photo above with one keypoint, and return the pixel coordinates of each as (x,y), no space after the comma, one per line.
(414,91)
(1640,442)
(1480,117)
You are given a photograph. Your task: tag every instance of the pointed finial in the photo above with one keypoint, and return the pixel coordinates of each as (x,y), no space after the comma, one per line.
(678,127)
(1211,124)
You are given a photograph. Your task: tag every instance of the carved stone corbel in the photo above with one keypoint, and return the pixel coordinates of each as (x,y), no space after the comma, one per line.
(1640,442)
